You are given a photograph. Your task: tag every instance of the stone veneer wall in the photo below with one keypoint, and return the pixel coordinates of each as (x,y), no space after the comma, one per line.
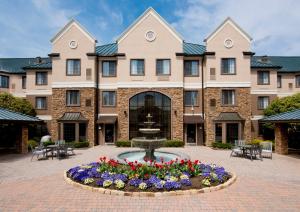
(59,108)
(176,95)
(243,107)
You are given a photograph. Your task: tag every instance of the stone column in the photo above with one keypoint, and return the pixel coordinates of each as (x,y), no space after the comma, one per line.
(24,140)
(281,139)
(77,131)
(224,133)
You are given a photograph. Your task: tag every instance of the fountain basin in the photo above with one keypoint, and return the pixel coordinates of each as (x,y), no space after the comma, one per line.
(149,130)
(138,155)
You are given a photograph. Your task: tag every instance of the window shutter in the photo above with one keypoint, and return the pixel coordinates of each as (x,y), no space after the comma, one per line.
(212,73)
(88,74)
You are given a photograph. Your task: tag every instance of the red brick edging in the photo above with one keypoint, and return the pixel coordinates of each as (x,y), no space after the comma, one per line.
(152,194)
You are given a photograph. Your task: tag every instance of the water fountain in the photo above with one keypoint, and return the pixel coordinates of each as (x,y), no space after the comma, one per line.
(150,142)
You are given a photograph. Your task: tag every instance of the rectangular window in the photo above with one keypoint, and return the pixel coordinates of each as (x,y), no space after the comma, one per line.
(23,82)
(191,68)
(41,103)
(228,97)
(73,67)
(262,102)
(190,98)
(163,67)
(4,81)
(218,132)
(73,98)
(137,67)
(298,81)
(109,68)
(228,66)
(278,81)
(263,77)
(108,98)
(41,78)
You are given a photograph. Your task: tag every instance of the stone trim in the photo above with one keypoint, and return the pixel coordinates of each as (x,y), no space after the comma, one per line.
(152,194)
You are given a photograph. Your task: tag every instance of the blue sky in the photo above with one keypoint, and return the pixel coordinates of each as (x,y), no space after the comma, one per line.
(28,25)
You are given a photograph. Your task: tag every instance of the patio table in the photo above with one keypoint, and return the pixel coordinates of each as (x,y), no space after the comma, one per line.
(53,147)
(251,149)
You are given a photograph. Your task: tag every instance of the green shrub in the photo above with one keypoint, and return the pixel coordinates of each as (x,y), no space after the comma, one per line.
(81,144)
(32,143)
(47,143)
(123,143)
(174,143)
(258,141)
(220,145)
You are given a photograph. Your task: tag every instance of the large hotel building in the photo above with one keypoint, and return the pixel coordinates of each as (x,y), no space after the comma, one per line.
(196,93)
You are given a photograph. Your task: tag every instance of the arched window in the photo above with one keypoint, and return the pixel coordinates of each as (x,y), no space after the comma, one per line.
(157,105)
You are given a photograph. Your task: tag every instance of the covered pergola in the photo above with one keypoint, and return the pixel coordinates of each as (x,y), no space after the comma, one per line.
(14,130)
(281,121)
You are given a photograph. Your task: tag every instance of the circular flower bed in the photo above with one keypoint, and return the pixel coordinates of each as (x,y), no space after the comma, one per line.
(150,176)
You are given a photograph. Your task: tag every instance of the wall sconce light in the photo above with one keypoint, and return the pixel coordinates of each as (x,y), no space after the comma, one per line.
(99,128)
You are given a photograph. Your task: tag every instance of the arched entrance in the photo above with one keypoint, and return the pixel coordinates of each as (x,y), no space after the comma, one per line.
(155,103)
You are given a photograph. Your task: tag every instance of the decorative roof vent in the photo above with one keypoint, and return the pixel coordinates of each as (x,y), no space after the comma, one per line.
(264,59)
(38,60)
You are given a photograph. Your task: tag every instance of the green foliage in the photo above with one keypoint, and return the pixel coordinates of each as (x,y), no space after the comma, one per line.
(81,144)
(47,143)
(220,145)
(284,104)
(32,143)
(258,141)
(174,143)
(16,104)
(123,143)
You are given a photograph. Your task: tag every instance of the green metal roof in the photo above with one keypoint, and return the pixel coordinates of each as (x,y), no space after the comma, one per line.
(288,117)
(15,65)
(193,49)
(107,50)
(45,64)
(284,63)
(72,116)
(229,116)
(8,115)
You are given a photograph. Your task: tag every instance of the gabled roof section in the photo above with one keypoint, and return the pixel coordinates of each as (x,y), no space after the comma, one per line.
(286,117)
(15,65)
(228,20)
(107,50)
(193,49)
(288,64)
(150,11)
(71,23)
(8,115)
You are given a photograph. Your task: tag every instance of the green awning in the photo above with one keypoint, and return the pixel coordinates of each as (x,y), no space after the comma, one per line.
(11,116)
(70,116)
(229,116)
(286,117)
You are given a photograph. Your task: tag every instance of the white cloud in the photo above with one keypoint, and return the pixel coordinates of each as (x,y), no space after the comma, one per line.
(274,24)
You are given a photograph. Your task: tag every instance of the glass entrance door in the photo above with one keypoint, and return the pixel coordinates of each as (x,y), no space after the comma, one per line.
(69,132)
(191,133)
(109,133)
(232,132)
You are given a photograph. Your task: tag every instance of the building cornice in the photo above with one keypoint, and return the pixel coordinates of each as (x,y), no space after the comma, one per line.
(73,85)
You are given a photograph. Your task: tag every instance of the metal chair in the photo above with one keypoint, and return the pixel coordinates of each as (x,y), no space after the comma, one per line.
(266,148)
(237,150)
(38,151)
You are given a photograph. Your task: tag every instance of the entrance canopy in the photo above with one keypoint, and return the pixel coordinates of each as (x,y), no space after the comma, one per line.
(70,116)
(229,116)
(11,116)
(287,117)
(107,119)
(192,119)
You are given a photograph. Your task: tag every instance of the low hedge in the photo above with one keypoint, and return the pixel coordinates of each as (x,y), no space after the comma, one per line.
(80,144)
(32,143)
(220,145)
(168,143)
(47,143)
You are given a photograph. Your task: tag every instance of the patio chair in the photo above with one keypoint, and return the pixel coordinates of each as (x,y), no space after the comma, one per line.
(266,149)
(38,151)
(237,150)
(254,151)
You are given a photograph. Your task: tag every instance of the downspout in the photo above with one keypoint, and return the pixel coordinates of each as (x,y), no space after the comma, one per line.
(202,85)
(97,101)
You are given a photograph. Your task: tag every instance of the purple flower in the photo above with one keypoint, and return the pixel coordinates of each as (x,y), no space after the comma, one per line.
(172,185)
(100,182)
(159,185)
(105,175)
(135,182)
(153,179)
(186,173)
(94,173)
(186,182)
(122,177)
(73,171)
(80,176)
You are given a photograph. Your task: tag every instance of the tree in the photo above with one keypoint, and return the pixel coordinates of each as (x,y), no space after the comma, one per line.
(284,104)
(16,104)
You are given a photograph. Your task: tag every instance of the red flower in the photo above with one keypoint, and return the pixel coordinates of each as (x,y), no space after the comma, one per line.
(133,168)
(182,162)
(196,162)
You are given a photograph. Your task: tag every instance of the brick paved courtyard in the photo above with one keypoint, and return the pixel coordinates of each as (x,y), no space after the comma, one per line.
(268,185)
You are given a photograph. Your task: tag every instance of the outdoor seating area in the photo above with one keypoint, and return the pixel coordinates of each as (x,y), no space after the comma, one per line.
(59,149)
(252,151)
